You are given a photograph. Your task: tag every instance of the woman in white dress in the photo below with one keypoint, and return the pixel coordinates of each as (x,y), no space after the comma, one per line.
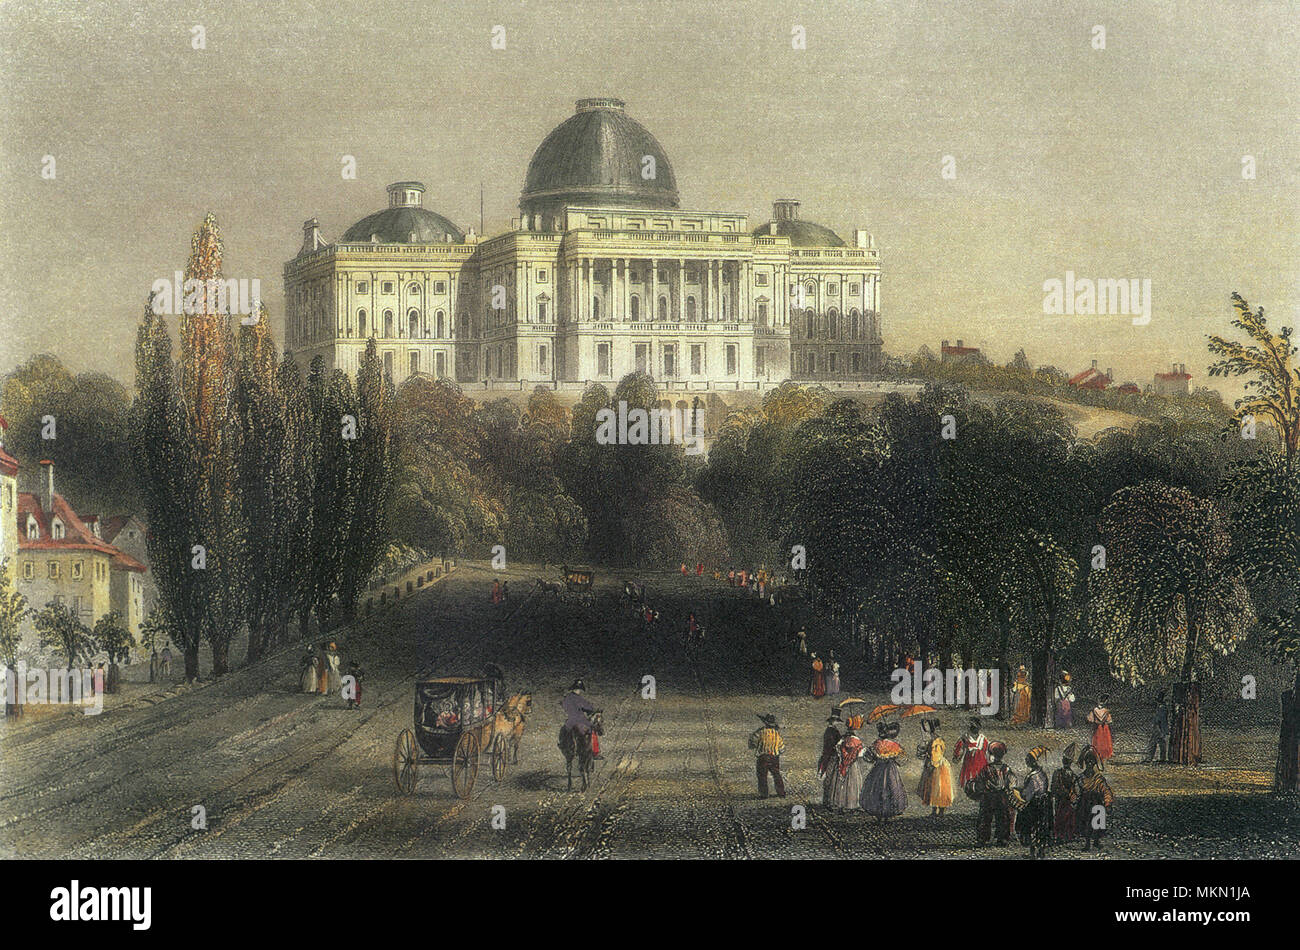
(310,676)
(336,674)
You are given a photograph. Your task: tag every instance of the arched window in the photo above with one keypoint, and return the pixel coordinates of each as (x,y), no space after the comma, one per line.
(832,323)
(636,307)
(440,325)
(856,324)
(690,309)
(812,364)
(663,309)
(388,323)
(361,323)
(412,323)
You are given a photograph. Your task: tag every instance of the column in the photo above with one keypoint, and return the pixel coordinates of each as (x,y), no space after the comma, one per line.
(681,290)
(627,289)
(654,290)
(708,313)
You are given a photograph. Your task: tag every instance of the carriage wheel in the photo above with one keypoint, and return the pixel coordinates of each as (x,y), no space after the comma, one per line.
(464,765)
(406,763)
(499,758)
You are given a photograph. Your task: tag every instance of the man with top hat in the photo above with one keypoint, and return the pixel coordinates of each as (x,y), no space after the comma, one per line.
(830,740)
(577,715)
(767,742)
(1035,822)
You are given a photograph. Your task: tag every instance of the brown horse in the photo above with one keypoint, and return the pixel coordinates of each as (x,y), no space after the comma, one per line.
(575,744)
(510,719)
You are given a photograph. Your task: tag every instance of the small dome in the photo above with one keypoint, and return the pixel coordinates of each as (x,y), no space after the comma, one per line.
(597,156)
(787,223)
(404,221)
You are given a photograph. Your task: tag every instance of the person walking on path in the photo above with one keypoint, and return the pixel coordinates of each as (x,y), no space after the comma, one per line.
(828,762)
(1065,791)
(832,675)
(1100,719)
(1063,703)
(818,677)
(1095,801)
(972,752)
(767,742)
(936,777)
(1159,730)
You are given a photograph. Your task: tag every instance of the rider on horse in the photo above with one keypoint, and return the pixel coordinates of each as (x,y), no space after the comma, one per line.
(577,713)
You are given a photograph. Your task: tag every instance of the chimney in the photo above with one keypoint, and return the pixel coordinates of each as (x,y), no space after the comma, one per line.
(943,345)
(960,344)
(45,491)
(310,235)
(1094,364)
(1110,373)
(860,238)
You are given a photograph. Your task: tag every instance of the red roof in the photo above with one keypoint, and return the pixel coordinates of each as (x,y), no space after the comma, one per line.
(8,464)
(1170,376)
(1130,388)
(959,350)
(1090,378)
(76,536)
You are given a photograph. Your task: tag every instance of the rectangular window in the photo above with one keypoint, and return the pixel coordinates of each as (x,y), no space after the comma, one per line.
(833,289)
(439,286)
(853,290)
(670,360)
(76,570)
(76,604)
(415,362)
(731,359)
(388,362)
(362,287)
(697,359)
(388,286)
(834,363)
(29,570)
(642,352)
(856,362)
(541,276)
(760,279)
(762,315)
(53,568)
(440,361)
(543,359)
(541,311)
(602,359)
(760,360)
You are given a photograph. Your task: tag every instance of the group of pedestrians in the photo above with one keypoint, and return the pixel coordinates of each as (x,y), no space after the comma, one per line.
(321,672)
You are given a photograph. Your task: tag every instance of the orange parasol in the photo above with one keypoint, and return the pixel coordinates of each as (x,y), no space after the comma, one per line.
(904,712)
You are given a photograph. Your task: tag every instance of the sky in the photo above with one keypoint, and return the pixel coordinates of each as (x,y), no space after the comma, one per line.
(1116,163)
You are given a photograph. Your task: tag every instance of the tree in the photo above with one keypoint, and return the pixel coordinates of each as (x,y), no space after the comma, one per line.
(1264,495)
(1273,386)
(1170,597)
(13,610)
(111,635)
(59,629)
(156,630)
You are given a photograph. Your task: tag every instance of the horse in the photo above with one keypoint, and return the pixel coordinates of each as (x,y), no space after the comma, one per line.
(510,719)
(575,743)
(550,587)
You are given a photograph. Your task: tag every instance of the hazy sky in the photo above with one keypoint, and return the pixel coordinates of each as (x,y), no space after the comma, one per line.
(1119,163)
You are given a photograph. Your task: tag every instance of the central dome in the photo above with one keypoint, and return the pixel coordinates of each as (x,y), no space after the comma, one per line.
(598,156)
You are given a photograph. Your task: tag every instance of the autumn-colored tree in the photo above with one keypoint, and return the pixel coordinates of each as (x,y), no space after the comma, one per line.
(1268,362)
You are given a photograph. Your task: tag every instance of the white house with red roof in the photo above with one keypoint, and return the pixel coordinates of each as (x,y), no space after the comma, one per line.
(1174,382)
(62,558)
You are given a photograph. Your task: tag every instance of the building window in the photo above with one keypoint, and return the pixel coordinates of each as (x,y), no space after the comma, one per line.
(388,323)
(697,359)
(388,363)
(760,279)
(541,311)
(388,286)
(636,307)
(439,286)
(56,530)
(414,290)
(833,289)
(690,309)
(856,362)
(440,322)
(834,363)
(595,308)
(76,570)
(853,290)
(29,570)
(855,325)
(543,359)
(412,323)
(602,359)
(760,360)
(541,276)
(663,309)
(670,360)
(812,364)
(642,354)
(33,528)
(415,362)
(361,323)
(362,287)
(731,359)
(440,361)
(762,314)
(53,568)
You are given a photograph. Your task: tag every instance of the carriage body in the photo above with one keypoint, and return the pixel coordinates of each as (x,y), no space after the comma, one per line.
(577,586)
(453,723)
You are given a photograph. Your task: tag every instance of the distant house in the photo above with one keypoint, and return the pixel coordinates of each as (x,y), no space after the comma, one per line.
(63,558)
(1092,378)
(128,534)
(959,353)
(1130,389)
(1174,382)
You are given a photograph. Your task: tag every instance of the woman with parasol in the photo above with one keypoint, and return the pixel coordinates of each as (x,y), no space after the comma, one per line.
(936,777)
(847,771)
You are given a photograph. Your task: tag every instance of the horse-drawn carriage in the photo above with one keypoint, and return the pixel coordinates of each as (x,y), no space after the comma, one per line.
(577,586)
(457,719)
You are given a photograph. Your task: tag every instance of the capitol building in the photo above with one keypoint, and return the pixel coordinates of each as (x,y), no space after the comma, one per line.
(602,274)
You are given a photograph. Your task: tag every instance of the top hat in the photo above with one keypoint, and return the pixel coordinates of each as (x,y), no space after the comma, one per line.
(769,720)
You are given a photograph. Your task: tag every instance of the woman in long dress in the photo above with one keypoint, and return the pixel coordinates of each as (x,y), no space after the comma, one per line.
(1100,719)
(833,675)
(847,772)
(1021,690)
(1035,823)
(883,794)
(936,777)
(818,677)
(335,673)
(1064,703)
(309,679)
